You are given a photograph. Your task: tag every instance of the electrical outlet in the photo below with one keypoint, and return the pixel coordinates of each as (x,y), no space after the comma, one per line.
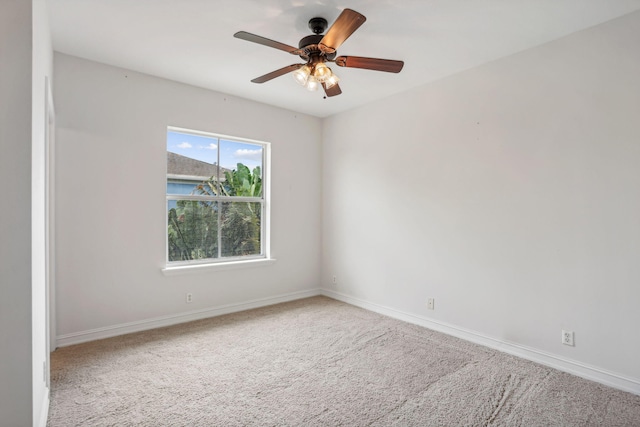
(567,337)
(189,298)
(335,281)
(431,304)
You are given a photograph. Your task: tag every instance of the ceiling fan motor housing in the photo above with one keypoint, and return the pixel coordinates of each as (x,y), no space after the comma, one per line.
(309,46)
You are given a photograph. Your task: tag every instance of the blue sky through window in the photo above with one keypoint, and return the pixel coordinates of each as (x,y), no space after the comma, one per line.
(206,148)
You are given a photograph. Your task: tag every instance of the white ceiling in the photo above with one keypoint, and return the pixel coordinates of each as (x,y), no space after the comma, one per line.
(192,41)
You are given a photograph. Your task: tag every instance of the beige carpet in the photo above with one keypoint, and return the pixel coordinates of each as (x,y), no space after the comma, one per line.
(316,362)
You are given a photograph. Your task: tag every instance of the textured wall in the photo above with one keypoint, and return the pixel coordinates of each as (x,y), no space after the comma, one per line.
(110,196)
(508,192)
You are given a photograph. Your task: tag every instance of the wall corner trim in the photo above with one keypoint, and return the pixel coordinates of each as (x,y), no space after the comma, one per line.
(44,410)
(611,379)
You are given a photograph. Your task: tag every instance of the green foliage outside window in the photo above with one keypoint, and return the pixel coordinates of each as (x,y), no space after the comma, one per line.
(193,231)
(193,225)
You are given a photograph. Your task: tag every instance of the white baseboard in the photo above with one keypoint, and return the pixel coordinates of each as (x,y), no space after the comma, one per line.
(592,373)
(159,322)
(602,376)
(44,411)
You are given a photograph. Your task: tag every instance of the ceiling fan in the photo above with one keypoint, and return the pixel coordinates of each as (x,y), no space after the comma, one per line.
(318,49)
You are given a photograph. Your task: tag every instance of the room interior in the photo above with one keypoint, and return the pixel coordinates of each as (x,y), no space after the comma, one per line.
(496,174)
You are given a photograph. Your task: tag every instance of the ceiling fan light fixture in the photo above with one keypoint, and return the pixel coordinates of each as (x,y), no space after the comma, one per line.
(301,75)
(331,81)
(312,84)
(322,72)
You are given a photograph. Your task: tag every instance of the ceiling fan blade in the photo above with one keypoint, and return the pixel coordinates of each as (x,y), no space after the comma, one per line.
(264,41)
(388,65)
(277,73)
(348,21)
(332,91)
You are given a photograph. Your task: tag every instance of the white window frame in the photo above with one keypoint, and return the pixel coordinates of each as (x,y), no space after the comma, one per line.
(264,258)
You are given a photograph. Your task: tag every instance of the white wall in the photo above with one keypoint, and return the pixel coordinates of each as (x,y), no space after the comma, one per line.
(510,193)
(15,227)
(42,67)
(110,197)
(25,58)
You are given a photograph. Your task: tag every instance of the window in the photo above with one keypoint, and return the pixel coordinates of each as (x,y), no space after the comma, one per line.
(216,204)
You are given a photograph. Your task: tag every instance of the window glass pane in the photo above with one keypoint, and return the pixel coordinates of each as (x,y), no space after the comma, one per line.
(191,162)
(219,175)
(241,165)
(192,230)
(240,228)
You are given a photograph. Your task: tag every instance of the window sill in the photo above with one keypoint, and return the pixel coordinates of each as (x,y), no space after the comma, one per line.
(203,268)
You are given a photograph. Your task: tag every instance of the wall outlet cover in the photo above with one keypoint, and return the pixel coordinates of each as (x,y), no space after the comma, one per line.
(567,337)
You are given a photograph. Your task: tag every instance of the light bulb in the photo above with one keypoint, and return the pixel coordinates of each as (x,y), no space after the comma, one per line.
(301,75)
(331,81)
(312,84)
(322,72)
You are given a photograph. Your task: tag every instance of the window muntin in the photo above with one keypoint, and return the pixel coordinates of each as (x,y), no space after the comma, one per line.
(216,208)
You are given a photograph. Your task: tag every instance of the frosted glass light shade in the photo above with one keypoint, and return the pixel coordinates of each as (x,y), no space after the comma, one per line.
(301,75)
(322,72)
(312,84)
(331,81)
